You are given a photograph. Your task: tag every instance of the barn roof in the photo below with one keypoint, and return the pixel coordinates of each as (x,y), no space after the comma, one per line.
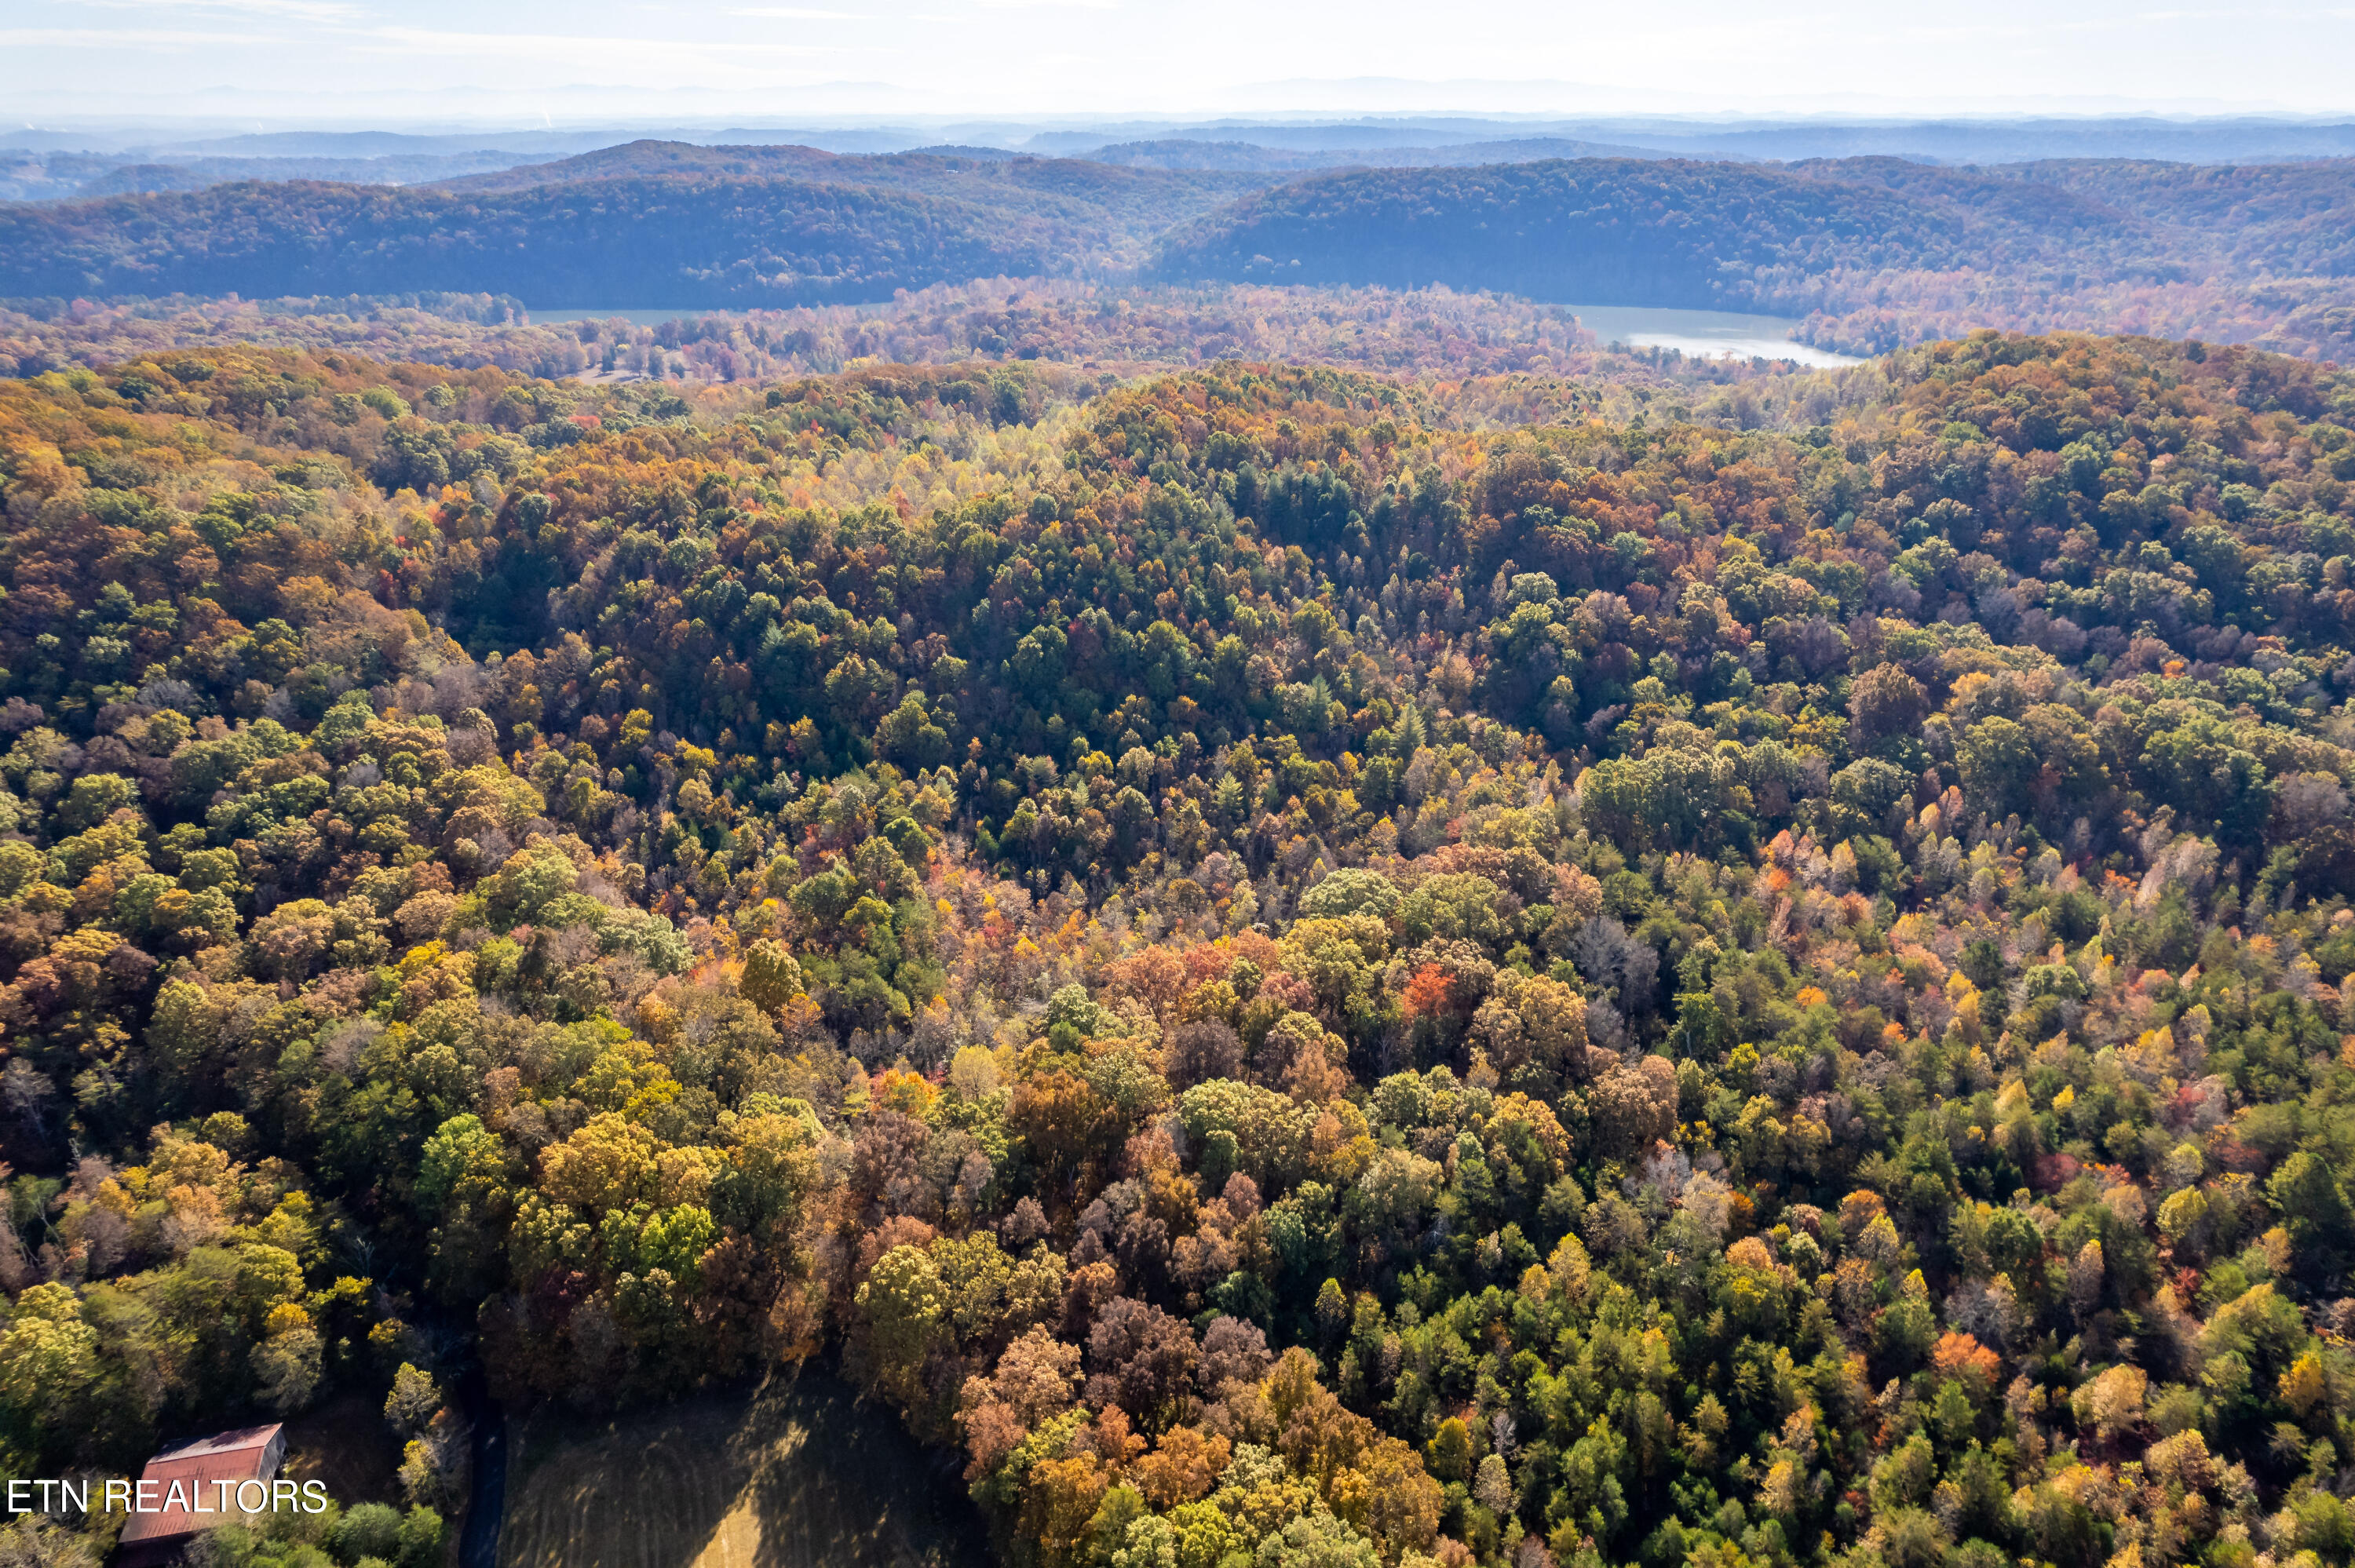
(244,1454)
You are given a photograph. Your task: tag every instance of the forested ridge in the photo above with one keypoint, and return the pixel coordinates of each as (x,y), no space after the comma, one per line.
(776,227)
(1251,157)
(1626,229)
(977,174)
(1858,244)
(1875,253)
(1301,967)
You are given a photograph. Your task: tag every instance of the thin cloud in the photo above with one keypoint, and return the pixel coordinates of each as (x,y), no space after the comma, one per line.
(796,14)
(118,38)
(578,48)
(293,10)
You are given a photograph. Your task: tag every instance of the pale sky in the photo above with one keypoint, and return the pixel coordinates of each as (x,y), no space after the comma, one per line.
(393,62)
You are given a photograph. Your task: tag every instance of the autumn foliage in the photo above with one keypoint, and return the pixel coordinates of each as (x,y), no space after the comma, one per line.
(1290,967)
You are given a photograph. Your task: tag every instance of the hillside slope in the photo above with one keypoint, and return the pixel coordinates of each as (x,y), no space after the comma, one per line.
(700,241)
(1615,231)
(2286,218)
(1886,252)
(1108,214)
(651,223)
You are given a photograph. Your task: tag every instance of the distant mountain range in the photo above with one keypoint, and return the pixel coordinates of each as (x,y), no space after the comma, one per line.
(379,159)
(46,165)
(73,175)
(1876,250)
(1182,152)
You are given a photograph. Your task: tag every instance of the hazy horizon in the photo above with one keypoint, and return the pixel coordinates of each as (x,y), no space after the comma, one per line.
(366,63)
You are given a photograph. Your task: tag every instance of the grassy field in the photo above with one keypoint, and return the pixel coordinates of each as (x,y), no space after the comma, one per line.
(796,1475)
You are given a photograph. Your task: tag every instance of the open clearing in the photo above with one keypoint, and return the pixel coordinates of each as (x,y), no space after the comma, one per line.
(795,1474)
(345,1443)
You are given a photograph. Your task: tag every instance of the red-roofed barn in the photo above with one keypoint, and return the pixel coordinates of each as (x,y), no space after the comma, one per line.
(191,1487)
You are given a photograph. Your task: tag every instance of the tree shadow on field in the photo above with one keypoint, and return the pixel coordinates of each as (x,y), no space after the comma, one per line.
(649,1490)
(840,1481)
(798,1473)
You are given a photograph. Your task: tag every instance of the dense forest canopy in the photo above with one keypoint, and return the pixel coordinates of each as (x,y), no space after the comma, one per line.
(1116,331)
(1301,969)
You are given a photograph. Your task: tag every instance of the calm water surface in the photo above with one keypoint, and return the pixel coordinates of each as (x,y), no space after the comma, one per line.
(1704,334)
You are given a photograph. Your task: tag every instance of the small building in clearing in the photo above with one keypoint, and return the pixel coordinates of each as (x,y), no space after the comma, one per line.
(191,1487)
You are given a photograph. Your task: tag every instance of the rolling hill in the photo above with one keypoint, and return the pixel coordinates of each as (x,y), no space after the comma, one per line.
(651,224)
(1622,230)
(710,242)
(1884,250)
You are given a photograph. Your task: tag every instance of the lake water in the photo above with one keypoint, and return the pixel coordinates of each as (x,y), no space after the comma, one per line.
(1706,335)
(1701,334)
